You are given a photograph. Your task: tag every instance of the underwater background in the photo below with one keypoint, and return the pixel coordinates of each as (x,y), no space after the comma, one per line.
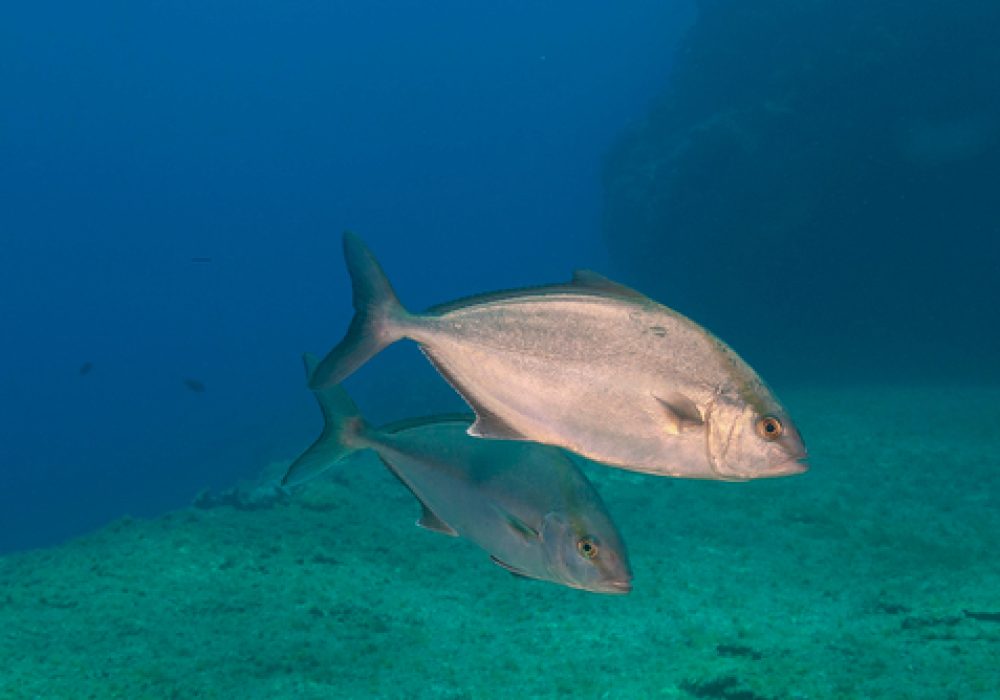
(815,182)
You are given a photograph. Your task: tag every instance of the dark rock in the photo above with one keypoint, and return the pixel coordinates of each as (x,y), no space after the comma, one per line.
(737,651)
(827,167)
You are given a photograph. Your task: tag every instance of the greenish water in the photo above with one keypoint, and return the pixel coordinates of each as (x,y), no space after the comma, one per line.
(874,575)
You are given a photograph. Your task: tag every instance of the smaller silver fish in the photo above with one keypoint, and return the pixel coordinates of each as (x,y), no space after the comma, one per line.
(528,505)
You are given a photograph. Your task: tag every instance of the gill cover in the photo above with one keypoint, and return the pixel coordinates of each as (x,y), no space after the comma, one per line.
(721,425)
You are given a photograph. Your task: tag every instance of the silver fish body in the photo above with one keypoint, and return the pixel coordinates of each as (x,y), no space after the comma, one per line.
(528,505)
(591,366)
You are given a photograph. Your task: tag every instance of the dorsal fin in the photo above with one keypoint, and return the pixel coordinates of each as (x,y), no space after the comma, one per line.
(596,281)
(586,280)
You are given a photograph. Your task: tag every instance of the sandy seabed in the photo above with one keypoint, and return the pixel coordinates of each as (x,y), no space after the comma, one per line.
(875,575)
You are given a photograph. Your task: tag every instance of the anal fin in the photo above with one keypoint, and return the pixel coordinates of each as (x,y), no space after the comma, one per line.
(512,569)
(429,520)
(488,425)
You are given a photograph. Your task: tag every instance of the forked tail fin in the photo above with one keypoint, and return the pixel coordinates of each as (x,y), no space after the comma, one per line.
(343,428)
(377,313)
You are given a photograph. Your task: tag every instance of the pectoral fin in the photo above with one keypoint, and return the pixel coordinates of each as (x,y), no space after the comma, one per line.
(520,528)
(680,413)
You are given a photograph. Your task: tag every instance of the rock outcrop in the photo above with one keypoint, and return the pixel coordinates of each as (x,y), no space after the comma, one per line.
(829,165)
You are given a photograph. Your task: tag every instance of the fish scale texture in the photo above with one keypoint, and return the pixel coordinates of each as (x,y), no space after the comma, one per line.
(875,575)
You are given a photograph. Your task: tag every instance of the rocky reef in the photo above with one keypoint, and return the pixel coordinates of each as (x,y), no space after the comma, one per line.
(829,166)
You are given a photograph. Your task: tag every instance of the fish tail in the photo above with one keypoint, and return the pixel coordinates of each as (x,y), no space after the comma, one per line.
(378,317)
(343,432)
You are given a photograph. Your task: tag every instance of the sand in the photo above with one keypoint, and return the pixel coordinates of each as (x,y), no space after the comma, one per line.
(875,575)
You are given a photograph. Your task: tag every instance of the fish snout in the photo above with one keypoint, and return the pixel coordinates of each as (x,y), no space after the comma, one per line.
(618,587)
(797,465)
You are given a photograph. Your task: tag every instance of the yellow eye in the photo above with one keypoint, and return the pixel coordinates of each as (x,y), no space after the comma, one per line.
(770,428)
(587,548)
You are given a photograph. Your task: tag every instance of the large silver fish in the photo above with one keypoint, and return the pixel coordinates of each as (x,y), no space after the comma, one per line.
(526,504)
(591,366)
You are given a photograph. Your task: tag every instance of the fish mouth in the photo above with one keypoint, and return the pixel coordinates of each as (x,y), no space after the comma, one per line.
(799,465)
(618,587)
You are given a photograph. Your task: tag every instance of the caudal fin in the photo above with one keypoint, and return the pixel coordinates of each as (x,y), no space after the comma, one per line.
(343,428)
(377,313)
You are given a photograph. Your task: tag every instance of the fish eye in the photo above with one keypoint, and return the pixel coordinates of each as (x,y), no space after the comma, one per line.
(587,547)
(770,428)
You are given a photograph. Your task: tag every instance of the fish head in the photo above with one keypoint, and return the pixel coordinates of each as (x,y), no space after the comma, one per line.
(586,552)
(751,436)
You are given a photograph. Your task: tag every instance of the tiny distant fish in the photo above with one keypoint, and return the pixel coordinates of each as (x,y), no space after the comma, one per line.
(591,366)
(86,368)
(194,385)
(528,505)
(201,260)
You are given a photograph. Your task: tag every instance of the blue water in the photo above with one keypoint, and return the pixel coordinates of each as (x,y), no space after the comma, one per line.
(464,142)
